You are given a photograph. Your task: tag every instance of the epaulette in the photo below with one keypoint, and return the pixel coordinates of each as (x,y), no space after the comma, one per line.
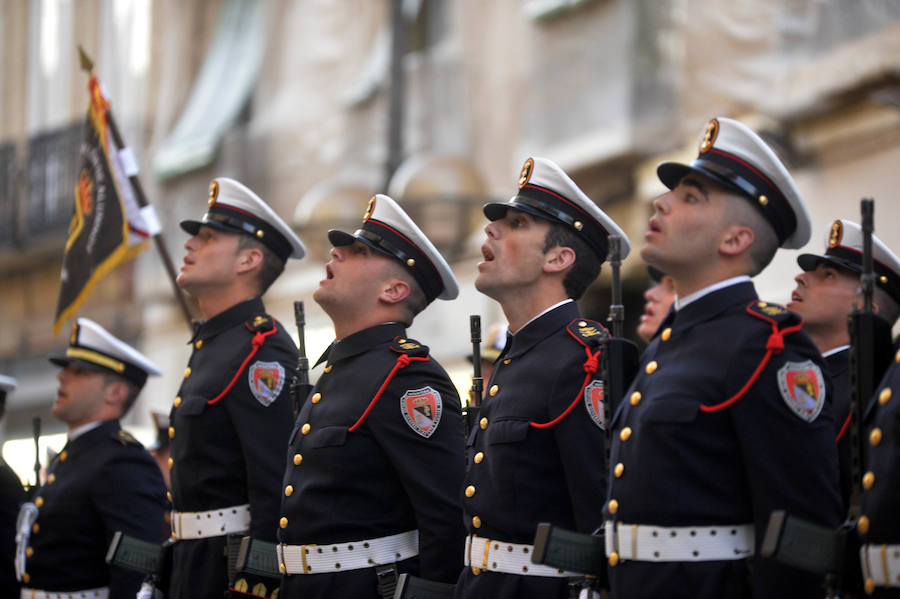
(773,313)
(125,438)
(259,323)
(588,333)
(410,347)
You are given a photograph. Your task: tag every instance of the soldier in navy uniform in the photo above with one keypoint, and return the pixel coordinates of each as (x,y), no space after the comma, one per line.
(11,497)
(879,521)
(103,480)
(826,293)
(232,415)
(375,461)
(729,416)
(537,452)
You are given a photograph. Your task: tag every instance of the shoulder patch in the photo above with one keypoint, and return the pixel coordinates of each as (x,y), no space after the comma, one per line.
(802,388)
(595,402)
(421,409)
(125,438)
(589,333)
(266,380)
(411,347)
(773,313)
(259,322)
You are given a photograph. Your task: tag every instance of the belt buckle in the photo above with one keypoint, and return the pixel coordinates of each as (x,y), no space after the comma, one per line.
(475,569)
(387,576)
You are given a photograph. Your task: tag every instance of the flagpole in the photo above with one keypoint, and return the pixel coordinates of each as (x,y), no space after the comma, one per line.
(88,65)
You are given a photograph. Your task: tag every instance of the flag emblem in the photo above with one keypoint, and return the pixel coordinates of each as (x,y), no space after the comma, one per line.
(595,401)
(421,409)
(266,381)
(802,388)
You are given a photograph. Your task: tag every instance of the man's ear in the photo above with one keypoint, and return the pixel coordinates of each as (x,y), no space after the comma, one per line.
(559,259)
(115,393)
(736,239)
(248,259)
(394,291)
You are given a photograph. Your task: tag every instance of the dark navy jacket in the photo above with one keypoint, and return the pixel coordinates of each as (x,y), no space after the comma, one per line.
(683,465)
(399,469)
(11,497)
(838,365)
(523,475)
(231,451)
(102,482)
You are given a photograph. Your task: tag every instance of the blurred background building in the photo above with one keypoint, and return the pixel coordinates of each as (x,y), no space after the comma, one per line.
(319,104)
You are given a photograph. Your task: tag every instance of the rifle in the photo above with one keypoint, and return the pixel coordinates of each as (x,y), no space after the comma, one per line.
(300,386)
(477,388)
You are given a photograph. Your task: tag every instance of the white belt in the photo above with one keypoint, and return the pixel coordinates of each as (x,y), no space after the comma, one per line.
(214,523)
(352,555)
(101,593)
(508,558)
(881,564)
(679,543)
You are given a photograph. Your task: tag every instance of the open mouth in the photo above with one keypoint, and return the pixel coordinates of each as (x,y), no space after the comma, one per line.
(796,297)
(328,273)
(486,253)
(654,225)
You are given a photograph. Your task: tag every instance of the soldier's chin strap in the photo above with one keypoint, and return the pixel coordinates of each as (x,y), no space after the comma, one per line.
(403,360)
(774,345)
(590,368)
(258,339)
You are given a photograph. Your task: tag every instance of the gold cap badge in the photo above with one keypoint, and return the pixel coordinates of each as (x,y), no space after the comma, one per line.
(709,138)
(837,232)
(525,175)
(213,192)
(369,209)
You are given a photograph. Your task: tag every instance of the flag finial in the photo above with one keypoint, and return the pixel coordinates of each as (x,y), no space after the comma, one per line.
(86,63)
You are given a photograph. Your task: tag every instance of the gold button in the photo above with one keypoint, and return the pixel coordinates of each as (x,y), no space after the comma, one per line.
(508,360)
(862,525)
(476,522)
(174,536)
(651,367)
(63,456)
(494,390)
(411,262)
(401,341)
(582,323)
(625,433)
(470,490)
(288,490)
(177,401)
(199,343)
(883,279)
(169,495)
(35,527)
(328,368)
(39,502)
(297,459)
(884,396)
(476,571)
(171,461)
(29,552)
(26,578)
(667,332)
(51,479)
(283,522)
(282,568)
(171,432)
(187,372)
(635,398)
(763,200)
(620,468)
(260,233)
(305,428)
(483,423)
(875,437)
(578,225)
(869,586)
(316,397)
(613,558)
(868,480)
(613,506)
(897,357)
(479,457)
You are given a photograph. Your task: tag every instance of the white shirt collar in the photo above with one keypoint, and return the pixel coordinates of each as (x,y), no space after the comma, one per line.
(835,350)
(80,430)
(553,307)
(681,302)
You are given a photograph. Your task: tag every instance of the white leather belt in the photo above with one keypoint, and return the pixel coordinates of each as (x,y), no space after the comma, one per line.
(881,564)
(351,555)
(508,558)
(679,543)
(101,593)
(214,523)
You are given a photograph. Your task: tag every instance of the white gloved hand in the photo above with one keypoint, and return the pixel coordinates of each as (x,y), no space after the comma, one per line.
(28,513)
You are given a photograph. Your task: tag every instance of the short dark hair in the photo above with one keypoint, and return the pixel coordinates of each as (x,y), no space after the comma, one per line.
(272,266)
(133,390)
(587,264)
(416,301)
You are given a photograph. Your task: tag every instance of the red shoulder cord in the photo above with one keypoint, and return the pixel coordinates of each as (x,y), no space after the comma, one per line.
(844,428)
(258,340)
(773,346)
(403,361)
(590,367)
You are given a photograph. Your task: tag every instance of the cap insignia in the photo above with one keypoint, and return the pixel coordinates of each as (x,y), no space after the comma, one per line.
(525,175)
(709,138)
(837,232)
(213,192)
(369,210)
(74,338)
